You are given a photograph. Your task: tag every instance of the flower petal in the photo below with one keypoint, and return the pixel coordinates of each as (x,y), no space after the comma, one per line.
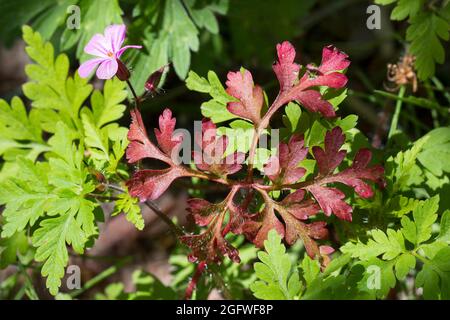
(122,50)
(115,35)
(98,46)
(86,68)
(107,69)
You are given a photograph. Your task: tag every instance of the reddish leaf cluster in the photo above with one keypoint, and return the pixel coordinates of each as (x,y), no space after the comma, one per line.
(294,216)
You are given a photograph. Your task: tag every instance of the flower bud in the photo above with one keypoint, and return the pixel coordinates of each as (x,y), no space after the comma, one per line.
(151,85)
(122,71)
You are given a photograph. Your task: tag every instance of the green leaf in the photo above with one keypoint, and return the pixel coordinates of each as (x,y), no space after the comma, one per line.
(196,83)
(402,169)
(240,136)
(20,134)
(436,151)
(11,247)
(406,8)
(216,108)
(277,280)
(434,278)
(389,244)
(378,277)
(404,263)
(130,207)
(425,34)
(444,234)
(148,287)
(310,268)
(50,87)
(293,113)
(50,240)
(16,13)
(424,215)
(26,196)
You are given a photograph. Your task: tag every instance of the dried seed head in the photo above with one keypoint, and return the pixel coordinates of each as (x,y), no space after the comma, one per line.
(402,73)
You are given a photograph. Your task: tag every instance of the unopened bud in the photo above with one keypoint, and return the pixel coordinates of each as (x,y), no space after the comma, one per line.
(122,71)
(151,85)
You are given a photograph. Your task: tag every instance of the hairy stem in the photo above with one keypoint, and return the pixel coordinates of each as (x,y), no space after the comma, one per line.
(137,101)
(259,129)
(193,283)
(398,109)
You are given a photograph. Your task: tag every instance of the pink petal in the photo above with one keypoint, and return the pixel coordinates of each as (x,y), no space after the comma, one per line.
(86,68)
(122,50)
(115,35)
(98,46)
(107,69)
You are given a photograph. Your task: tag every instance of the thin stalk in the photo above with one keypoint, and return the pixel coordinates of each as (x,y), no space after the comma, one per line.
(434,113)
(398,109)
(136,98)
(29,288)
(173,227)
(193,283)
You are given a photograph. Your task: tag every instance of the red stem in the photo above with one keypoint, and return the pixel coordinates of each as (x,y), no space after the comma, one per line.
(193,283)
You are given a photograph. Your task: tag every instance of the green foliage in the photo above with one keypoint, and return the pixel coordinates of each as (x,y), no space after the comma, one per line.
(277,280)
(129,206)
(389,252)
(435,151)
(147,287)
(170,31)
(249,23)
(53,158)
(216,108)
(429,25)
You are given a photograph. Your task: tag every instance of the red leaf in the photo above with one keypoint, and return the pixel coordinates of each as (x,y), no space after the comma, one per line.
(298,207)
(291,209)
(312,100)
(140,146)
(166,140)
(150,184)
(240,85)
(358,172)
(256,230)
(296,229)
(210,157)
(283,168)
(210,246)
(285,69)
(329,158)
(202,211)
(325,75)
(331,201)
(333,60)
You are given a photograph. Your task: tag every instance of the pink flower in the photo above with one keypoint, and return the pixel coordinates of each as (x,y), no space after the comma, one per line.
(107,48)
